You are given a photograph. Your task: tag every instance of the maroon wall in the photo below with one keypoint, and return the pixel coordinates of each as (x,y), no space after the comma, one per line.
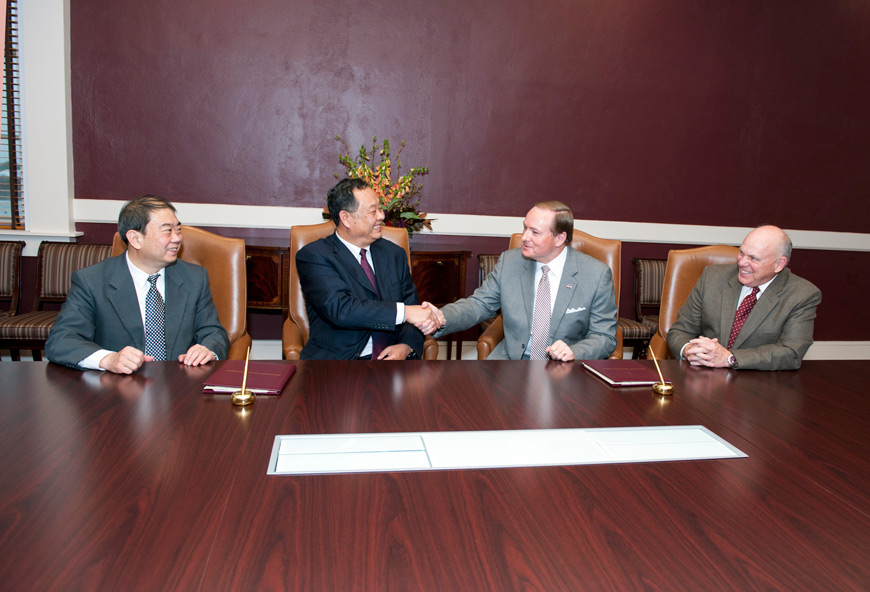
(728,113)
(713,113)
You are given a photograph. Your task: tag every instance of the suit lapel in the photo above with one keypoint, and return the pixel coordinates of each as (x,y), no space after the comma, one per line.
(122,295)
(528,288)
(350,263)
(176,304)
(766,303)
(564,290)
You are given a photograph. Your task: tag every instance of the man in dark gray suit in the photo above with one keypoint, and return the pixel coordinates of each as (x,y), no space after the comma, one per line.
(579,307)
(102,325)
(755,315)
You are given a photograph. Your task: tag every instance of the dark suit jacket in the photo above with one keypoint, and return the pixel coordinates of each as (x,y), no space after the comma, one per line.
(777,333)
(584,315)
(342,307)
(101,312)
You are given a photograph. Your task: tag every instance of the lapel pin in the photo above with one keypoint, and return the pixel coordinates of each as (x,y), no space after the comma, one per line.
(569,286)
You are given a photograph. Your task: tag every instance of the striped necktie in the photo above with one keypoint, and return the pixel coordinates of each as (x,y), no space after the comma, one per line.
(541,320)
(740,316)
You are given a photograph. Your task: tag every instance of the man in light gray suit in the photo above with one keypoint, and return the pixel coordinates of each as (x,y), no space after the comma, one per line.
(101,326)
(579,296)
(775,308)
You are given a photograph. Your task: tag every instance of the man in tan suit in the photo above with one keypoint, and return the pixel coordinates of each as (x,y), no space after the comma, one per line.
(755,315)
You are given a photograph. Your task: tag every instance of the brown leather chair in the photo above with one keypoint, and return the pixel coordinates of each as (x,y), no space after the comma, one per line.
(55,264)
(224,259)
(606,250)
(296,328)
(681,274)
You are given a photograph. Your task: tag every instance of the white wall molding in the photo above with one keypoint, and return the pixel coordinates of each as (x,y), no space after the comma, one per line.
(270,217)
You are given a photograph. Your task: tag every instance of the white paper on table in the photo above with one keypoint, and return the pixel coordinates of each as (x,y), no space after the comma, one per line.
(415,451)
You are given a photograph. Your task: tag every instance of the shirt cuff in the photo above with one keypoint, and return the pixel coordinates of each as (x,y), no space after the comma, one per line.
(92,362)
(400,313)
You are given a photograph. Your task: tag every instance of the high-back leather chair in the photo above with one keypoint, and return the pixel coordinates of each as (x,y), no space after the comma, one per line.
(608,251)
(296,327)
(224,259)
(681,274)
(55,264)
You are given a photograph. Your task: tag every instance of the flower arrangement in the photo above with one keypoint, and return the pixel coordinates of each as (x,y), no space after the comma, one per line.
(400,200)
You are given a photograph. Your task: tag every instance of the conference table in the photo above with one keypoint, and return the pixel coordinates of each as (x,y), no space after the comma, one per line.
(143,482)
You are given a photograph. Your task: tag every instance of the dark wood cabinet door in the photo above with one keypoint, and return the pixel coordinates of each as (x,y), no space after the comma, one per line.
(439,275)
(440,279)
(268,269)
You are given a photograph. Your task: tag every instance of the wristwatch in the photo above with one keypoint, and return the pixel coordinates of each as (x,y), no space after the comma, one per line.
(732,361)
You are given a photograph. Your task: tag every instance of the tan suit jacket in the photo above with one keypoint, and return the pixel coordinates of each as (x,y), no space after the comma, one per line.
(778,331)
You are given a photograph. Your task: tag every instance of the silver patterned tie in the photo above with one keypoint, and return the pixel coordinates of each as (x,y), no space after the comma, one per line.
(155,330)
(541,321)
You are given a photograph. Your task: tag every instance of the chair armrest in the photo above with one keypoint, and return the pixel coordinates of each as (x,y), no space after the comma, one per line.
(430,348)
(617,353)
(291,340)
(490,338)
(658,346)
(239,348)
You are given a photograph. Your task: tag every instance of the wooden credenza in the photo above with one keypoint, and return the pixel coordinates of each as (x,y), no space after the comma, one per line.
(268,273)
(440,279)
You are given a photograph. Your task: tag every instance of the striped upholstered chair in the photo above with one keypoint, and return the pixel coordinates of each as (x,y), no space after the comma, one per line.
(55,263)
(648,277)
(10,276)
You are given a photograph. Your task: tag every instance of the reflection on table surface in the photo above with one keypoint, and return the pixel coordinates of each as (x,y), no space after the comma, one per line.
(143,482)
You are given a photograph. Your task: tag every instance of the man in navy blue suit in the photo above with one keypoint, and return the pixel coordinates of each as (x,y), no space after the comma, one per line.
(359,295)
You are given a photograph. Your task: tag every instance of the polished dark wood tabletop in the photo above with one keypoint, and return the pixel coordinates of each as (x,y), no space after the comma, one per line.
(143,483)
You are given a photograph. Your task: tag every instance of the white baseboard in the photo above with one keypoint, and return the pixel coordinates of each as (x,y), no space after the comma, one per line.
(266,349)
(270,349)
(839,350)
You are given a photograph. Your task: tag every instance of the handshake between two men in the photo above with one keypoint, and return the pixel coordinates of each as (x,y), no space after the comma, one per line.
(426,317)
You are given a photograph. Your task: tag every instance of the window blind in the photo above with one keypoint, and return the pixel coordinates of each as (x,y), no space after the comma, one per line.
(11,189)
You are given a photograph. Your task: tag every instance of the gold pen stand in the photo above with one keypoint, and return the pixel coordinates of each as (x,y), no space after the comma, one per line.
(244,397)
(663,388)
